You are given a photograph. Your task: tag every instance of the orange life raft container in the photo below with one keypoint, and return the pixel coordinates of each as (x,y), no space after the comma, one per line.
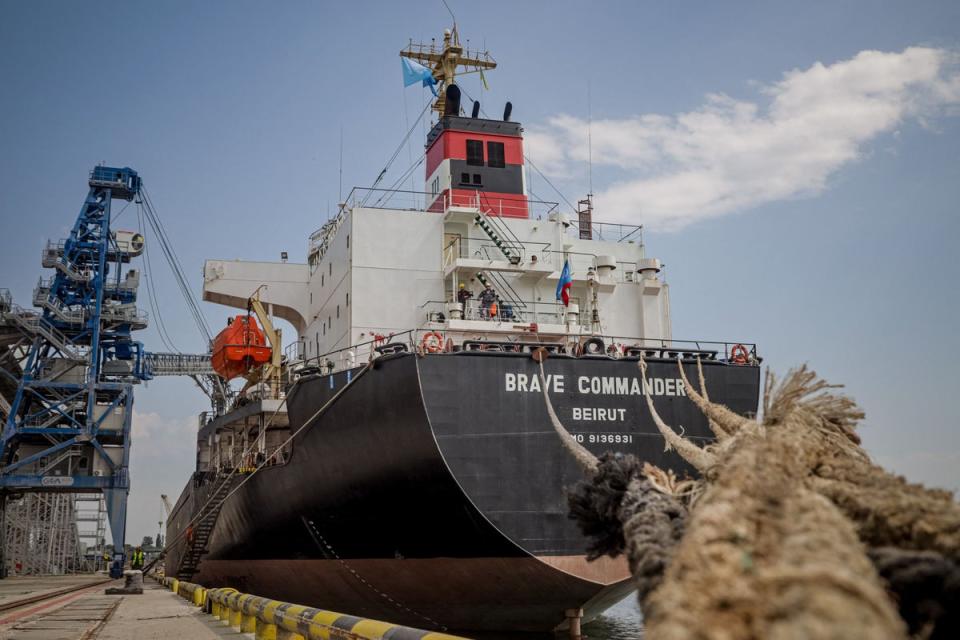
(239,348)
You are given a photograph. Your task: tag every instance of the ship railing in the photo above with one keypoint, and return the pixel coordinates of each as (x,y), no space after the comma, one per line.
(406,200)
(499,206)
(670,349)
(349,357)
(295,351)
(610,231)
(320,239)
(535,253)
(485,249)
(526,311)
(353,356)
(583,264)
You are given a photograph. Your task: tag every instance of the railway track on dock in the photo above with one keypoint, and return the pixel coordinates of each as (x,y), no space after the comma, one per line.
(69,613)
(47,595)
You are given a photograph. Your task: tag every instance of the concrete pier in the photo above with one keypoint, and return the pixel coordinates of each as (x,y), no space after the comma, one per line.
(17,588)
(88,614)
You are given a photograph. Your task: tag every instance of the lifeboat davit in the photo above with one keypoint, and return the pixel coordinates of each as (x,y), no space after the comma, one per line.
(239,348)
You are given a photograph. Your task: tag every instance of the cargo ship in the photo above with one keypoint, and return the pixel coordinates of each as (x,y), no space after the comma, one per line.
(402,465)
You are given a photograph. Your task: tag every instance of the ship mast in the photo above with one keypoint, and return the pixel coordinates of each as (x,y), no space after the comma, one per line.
(446,61)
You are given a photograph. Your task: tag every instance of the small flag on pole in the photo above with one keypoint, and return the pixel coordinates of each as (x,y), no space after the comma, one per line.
(566,282)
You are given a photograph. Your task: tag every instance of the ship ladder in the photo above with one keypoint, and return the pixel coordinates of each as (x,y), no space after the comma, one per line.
(511,247)
(197,547)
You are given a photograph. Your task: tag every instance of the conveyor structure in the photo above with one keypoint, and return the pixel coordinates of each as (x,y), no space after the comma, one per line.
(67,370)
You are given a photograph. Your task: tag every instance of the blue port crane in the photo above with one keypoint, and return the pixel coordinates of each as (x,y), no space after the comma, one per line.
(71,366)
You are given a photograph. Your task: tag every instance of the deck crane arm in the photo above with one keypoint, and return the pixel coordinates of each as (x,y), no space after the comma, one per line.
(271,371)
(166,504)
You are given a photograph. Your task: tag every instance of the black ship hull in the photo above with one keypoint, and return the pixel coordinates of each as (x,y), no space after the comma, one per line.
(431,491)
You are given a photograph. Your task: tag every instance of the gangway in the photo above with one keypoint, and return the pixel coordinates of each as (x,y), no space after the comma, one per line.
(178,364)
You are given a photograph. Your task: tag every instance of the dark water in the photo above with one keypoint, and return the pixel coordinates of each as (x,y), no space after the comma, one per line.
(620,622)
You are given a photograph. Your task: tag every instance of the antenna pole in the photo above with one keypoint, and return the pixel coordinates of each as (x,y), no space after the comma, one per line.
(451,13)
(589,143)
(340,191)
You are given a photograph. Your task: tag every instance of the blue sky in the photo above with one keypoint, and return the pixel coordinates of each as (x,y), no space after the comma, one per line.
(801,190)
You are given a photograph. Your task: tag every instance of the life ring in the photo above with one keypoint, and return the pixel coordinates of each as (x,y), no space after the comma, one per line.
(739,354)
(593,347)
(432,342)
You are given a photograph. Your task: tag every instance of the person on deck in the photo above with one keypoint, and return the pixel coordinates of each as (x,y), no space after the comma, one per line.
(488,302)
(463,296)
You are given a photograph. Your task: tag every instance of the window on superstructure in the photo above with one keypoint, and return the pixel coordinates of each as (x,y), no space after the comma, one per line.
(495,157)
(476,179)
(331,268)
(338,312)
(348,241)
(348,298)
(475,152)
(464,178)
(330,322)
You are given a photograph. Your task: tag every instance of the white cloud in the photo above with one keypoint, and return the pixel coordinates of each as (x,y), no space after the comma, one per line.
(730,155)
(162,457)
(152,426)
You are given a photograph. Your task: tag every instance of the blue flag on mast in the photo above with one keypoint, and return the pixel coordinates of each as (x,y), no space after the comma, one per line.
(414,72)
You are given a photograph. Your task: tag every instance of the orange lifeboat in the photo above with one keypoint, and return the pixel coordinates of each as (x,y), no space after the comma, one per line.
(239,348)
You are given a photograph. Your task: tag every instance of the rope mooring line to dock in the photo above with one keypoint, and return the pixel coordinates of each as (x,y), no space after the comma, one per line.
(790,528)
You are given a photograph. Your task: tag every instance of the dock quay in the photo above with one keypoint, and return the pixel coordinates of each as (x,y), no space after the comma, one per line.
(76,608)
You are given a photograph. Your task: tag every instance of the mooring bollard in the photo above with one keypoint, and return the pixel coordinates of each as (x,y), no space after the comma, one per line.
(573,617)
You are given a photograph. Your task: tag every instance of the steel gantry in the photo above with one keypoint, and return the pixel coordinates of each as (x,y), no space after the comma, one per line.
(67,372)
(74,363)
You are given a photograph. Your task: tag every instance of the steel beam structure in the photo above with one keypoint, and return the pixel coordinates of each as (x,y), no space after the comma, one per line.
(67,426)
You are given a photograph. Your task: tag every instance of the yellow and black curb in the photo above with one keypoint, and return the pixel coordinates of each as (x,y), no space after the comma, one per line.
(274,620)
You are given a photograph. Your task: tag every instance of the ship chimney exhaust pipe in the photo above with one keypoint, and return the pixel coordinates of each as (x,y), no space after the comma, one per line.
(476,110)
(452,104)
(507,110)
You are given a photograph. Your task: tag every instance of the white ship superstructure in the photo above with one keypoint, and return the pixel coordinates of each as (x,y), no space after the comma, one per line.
(381,271)
(394,261)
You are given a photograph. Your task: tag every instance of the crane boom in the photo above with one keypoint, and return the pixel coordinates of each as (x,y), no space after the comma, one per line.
(271,372)
(166,504)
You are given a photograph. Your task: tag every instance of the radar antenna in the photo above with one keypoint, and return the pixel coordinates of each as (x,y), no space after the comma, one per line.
(445,62)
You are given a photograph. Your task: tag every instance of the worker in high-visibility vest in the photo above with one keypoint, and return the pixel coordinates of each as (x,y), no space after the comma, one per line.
(136,560)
